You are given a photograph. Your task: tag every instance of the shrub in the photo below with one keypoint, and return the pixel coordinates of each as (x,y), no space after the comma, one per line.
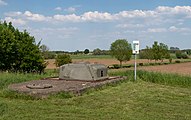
(141,64)
(126,66)
(116,66)
(177,61)
(62,59)
(184,56)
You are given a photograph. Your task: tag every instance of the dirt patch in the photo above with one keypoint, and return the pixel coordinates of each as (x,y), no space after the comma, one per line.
(180,68)
(76,87)
(107,62)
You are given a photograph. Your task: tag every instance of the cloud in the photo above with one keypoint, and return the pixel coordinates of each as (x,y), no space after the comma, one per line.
(96,16)
(136,13)
(160,15)
(3,2)
(130,25)
(16,22)
(70,9)
(13,14)
(157,30)
(67,18)
(58,8)
(35,17)
(175,29)
(174,10)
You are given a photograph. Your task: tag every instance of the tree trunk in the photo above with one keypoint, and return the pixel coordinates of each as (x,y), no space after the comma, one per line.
(120,64)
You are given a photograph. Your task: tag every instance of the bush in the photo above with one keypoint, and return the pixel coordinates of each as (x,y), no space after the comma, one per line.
(116,66)
(62,59)
(177,61)
(141,64)
(184,56)
(126,66)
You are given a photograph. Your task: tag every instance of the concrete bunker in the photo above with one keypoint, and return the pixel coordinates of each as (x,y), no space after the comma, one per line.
(75,78)
(83,71)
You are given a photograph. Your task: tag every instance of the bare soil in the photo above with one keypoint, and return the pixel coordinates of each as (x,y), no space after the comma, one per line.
(107,62)
(180,68)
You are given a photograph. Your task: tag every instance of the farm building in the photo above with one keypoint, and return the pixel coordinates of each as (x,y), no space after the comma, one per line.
(83,71)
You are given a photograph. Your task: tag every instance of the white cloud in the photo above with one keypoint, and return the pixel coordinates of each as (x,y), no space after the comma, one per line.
(16,22)
(174,10)
(58,8)
(136,13)
(96,16)
(175,29)
(70,9)
(13,14)
(3,2)
(161,14)
(156,30)
(130,25)
(67,18)
(35,17)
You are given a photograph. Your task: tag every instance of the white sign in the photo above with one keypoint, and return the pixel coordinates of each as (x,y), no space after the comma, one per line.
(135,47)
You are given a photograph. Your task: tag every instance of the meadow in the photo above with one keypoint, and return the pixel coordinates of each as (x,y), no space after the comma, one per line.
(154,95)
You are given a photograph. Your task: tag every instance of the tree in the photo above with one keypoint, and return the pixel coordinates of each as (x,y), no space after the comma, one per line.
(62,59)
(180,54)
(45,52)
(44,48)
(164,51)
(86,51)
(160,51)
(121,50)
(97,51)
(146,54)
(18,51)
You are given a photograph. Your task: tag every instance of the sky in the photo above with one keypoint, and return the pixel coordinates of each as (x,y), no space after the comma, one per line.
(71,25)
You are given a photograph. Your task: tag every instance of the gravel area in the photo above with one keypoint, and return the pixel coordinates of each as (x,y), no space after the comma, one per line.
(42,88)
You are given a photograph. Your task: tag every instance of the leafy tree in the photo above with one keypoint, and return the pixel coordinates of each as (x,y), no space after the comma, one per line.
(97,51)
(86,51)
(18,51)
(44,48)
(146,53)
(160,51)
(45,52)
(62,59)
(178,54)
(121,50)
(164,51)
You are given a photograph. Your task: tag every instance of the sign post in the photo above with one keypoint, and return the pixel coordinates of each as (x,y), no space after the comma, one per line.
(135,52)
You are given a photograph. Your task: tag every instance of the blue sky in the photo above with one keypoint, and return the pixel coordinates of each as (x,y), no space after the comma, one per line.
(72,25)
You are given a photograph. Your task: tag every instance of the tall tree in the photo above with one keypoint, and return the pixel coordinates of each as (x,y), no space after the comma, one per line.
(121,50)
(18,51)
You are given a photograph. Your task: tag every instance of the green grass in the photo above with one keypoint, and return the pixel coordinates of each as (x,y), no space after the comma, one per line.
(8,78)
(160,78)
(129,100)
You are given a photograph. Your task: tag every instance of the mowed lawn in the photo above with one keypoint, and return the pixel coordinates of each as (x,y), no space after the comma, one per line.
(127,100)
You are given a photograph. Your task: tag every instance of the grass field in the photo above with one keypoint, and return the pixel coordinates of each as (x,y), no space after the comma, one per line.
(144,99)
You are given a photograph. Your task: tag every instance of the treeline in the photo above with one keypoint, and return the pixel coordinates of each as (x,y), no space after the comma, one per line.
(52,54)
(18,51)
